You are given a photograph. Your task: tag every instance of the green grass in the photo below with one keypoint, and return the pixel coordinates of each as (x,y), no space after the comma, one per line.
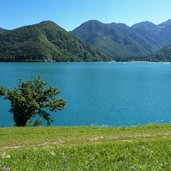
(86,148)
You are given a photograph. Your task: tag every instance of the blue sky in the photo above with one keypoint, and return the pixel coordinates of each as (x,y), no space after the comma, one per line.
(71,13)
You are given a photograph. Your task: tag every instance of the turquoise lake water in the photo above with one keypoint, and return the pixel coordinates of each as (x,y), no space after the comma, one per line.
(99,93)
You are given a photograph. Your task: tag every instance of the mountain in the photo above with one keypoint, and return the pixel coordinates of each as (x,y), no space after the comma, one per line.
(162,55)
(120,40)
(2,30)
(152,34)
(166,30)
(165,24)
(91,41)
(114,40)
(45,41)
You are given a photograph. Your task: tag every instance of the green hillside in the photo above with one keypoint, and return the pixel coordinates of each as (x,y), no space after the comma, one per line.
(2,30)
(45,41)
(162,55)
(114,40)
(120,41)
(152,35)
(91,41)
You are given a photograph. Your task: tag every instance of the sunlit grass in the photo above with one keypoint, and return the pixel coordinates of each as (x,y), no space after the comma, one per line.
(86,148)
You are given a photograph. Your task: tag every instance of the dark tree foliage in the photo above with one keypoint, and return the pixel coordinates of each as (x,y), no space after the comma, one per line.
(33,98)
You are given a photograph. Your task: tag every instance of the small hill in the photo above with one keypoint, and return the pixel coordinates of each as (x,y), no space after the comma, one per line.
(45,41)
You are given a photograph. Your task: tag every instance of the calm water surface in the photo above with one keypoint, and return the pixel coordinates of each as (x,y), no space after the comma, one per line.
(99,93)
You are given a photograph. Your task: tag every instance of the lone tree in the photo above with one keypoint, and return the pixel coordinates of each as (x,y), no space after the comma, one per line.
(32,99)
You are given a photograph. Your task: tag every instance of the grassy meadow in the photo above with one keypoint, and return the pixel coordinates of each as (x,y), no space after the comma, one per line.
(86,148)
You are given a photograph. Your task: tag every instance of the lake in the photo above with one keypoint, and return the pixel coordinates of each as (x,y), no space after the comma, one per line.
(103,93)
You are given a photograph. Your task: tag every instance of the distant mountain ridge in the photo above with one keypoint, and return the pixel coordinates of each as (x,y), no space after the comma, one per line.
(152,35)
(91,41)
(2,30)
(119,40)
(112,39)
(45,41)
